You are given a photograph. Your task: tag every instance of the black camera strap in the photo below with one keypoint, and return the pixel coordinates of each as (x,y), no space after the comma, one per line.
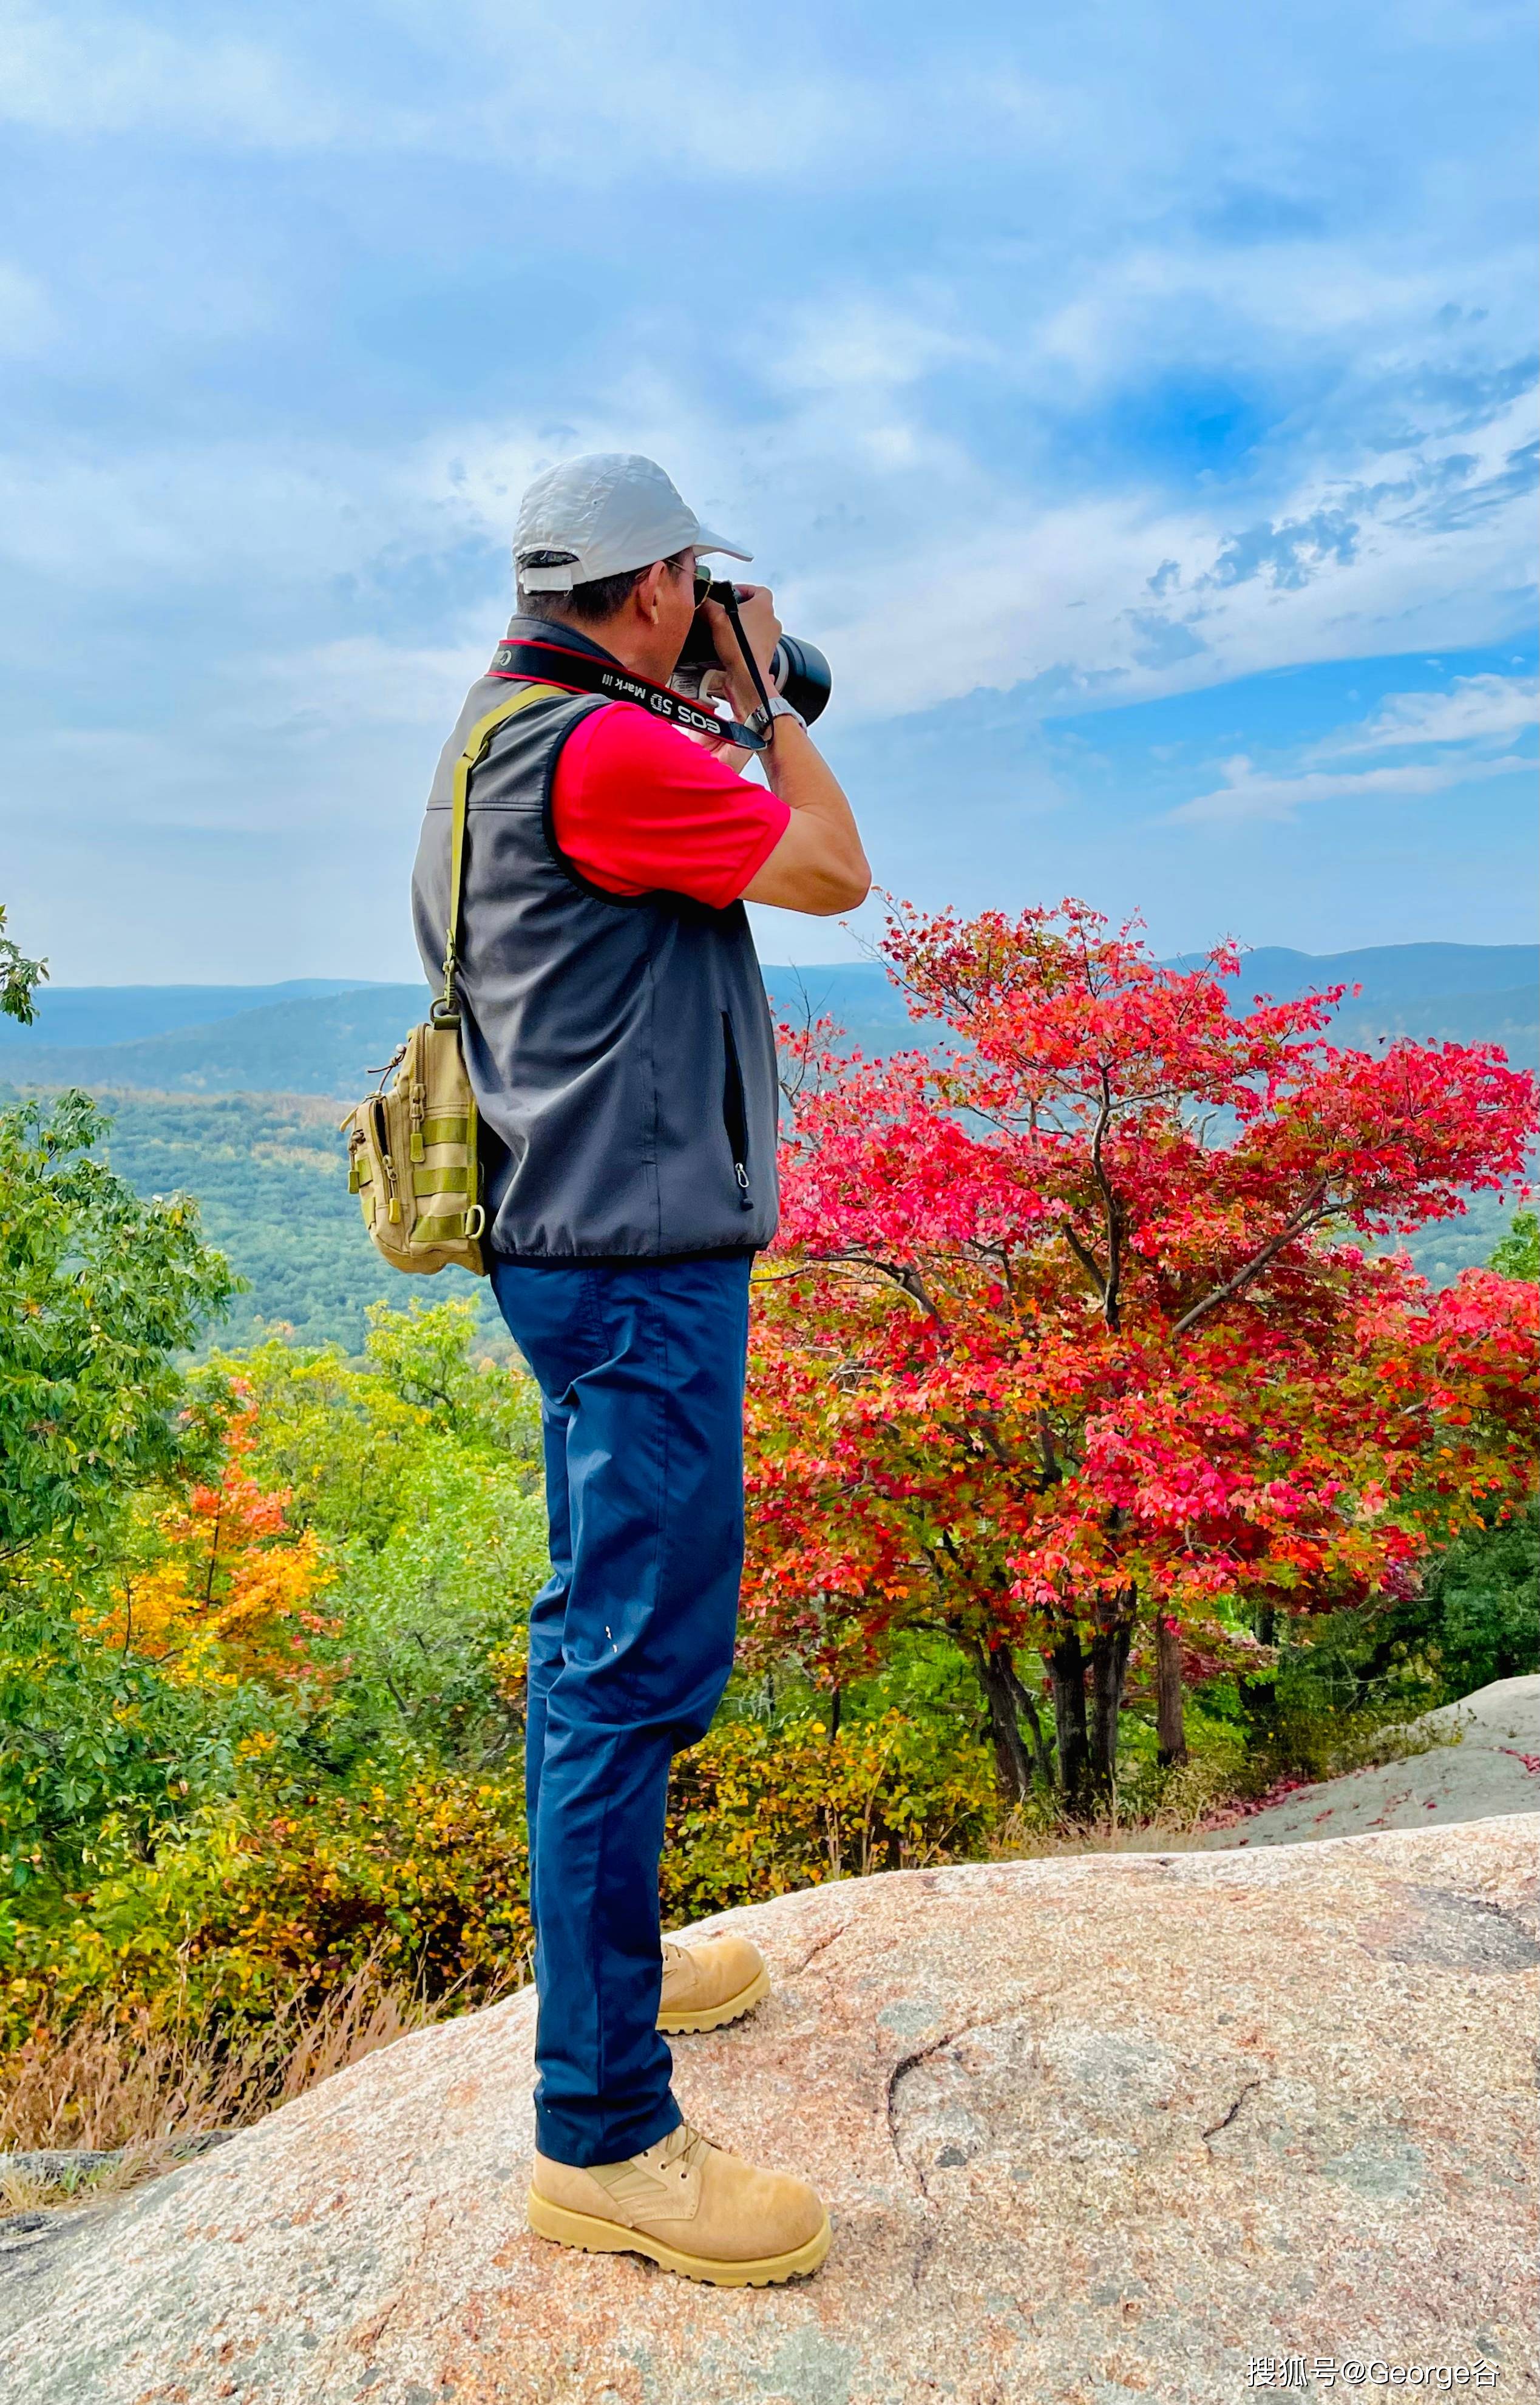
(727,596)
(521,655)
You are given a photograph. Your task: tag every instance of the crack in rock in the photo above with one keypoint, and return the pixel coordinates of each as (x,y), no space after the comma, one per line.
(908,2062)
(901,2072)
(819,1946)
(1249,2089)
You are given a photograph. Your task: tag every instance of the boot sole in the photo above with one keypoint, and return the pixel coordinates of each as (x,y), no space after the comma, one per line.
(595,2237)
(712,2017)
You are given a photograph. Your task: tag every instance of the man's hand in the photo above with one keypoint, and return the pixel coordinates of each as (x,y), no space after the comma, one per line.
(762,631)
(818,865)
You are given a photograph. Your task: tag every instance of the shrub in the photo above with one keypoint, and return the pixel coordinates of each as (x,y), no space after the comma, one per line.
(249,1916)
(755,1811)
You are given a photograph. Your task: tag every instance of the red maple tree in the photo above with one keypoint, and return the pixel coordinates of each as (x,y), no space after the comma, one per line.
(1068,1349)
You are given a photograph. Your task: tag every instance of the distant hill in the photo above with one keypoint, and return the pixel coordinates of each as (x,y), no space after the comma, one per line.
(322,1045)
(1387,972)
(123,1014)
(322,1036)
(269,1172)
(1436,993)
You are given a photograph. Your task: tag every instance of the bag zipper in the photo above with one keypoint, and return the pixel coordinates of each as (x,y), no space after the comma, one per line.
(382,1147)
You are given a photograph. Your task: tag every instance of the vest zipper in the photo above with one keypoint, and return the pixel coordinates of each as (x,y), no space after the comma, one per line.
(734,1115)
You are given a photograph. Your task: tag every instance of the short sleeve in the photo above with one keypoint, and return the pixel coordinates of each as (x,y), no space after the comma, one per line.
(639,809)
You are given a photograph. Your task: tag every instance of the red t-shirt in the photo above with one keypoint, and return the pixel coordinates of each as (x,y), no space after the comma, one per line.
(639,809)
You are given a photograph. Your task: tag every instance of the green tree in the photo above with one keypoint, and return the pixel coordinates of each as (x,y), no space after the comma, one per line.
(1482,1604)
(424,1354)
(1518,1256)
(98,1291)
(419,1470)
(102,1755)
(19,978)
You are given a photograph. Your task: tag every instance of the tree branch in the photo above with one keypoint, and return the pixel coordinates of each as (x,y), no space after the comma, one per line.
(1114,1210)
(1308,1215)
(1052,1467)
(909,1279)
(1085,1256)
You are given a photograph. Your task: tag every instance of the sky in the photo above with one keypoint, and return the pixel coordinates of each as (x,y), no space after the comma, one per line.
(1136,402)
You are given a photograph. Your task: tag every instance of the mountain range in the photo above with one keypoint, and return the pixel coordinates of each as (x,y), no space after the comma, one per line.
(324,1035)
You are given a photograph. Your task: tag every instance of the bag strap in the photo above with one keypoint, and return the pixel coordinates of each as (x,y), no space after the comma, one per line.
(445,1011)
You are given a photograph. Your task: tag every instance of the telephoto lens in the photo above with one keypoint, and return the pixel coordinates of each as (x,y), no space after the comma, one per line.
(801,673)
(799,669)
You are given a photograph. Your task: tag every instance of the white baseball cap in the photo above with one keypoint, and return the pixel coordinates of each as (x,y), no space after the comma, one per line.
(602,513)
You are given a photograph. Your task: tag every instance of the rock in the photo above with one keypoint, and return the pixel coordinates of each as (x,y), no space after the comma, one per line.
(1494,1768)
(1093,2129)
(69,2166)
(18,2226)
(58,2166)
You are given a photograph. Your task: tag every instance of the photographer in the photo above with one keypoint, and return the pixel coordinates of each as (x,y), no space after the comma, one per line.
(619,1045)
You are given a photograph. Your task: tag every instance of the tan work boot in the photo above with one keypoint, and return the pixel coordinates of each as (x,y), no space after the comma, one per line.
(707,1984)
(690,2207)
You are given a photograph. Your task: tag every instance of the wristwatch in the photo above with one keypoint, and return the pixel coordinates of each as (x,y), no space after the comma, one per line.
(757,721)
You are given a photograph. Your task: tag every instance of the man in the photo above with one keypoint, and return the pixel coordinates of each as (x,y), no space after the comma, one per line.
(619,1044)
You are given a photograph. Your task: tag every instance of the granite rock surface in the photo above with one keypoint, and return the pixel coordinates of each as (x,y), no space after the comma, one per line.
(1092,2130)
(1491,1766)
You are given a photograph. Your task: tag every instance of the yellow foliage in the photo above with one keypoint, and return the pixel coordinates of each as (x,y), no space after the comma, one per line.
(226,1592)
(429,1883)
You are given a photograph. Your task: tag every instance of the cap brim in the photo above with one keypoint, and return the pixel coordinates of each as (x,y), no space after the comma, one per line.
(706,541)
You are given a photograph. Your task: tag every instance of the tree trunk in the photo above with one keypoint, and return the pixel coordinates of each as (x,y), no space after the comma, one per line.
(1006,1696)
(1108,1664)
(1170,1736)
(1259,1696)
(1067,1677)
(1027,1710)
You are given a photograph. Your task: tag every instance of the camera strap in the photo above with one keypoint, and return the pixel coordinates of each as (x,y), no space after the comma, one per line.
(727,596)
(520,656)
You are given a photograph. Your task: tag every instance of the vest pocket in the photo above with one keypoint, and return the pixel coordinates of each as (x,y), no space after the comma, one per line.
(734,1114)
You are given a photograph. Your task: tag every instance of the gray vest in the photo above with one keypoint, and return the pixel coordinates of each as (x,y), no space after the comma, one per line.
(620,1050)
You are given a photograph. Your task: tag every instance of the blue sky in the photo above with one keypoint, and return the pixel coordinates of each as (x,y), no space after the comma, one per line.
(1136,402)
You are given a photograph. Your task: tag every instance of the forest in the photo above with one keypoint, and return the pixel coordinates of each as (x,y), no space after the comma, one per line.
(1110,1465)
(232,1095)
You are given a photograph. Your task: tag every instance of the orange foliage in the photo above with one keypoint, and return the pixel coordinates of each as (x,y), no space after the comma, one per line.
(229,1590)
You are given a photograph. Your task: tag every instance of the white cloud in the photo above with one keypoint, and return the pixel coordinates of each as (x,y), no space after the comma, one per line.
(1028,591)
(1249,793)
(857,343)
(104,72)
(318,693)
(917,317)
(1478,709)
(605,92)
(925,569)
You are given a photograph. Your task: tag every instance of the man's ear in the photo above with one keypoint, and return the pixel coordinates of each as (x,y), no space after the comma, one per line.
(646,590)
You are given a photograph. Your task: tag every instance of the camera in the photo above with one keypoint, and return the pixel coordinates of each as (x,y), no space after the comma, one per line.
(799,669)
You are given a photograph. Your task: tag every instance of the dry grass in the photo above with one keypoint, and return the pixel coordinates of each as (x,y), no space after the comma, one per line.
(146,2087)
(1139,1822)
(1025,1836)
(1199,1795)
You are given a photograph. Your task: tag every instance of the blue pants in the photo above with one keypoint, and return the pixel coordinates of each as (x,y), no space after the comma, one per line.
(640,1373)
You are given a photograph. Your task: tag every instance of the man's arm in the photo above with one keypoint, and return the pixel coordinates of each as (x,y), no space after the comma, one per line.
(818,866)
